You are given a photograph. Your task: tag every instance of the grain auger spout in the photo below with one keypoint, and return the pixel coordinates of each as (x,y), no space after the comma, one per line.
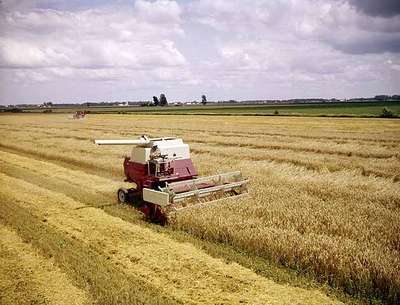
(166,180)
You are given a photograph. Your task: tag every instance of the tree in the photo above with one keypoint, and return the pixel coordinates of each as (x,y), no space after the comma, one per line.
(203,99)
(163,100)
(156,101)
(48,104)
(387,113)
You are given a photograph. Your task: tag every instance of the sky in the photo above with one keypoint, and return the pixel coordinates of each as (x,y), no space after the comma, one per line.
(64,51)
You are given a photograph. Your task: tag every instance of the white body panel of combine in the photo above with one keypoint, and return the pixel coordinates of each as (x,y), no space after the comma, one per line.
(172,148)
(157,197)
(140,154)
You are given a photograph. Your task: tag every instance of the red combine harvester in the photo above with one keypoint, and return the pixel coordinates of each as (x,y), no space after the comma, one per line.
(166,180)
(79,115)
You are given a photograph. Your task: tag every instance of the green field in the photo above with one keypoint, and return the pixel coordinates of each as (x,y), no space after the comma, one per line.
(364,109)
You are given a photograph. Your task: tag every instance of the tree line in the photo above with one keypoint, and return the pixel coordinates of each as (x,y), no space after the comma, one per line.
(162,101)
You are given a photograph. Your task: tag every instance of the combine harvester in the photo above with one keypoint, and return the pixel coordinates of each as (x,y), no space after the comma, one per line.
(166,180)
(78,115)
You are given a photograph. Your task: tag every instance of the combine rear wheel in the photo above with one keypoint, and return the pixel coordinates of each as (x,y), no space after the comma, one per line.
(123,195)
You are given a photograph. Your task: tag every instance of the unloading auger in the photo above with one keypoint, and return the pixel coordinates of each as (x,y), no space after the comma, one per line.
(166,180)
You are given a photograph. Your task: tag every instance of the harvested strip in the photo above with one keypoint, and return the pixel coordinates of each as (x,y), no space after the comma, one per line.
(101,167)
(28,278)
(95,190)
(178,271)
(89,189)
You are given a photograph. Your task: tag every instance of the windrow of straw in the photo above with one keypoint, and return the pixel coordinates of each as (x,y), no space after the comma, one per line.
(27,277)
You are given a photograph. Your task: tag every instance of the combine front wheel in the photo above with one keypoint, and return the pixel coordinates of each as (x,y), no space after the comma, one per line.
(123,195)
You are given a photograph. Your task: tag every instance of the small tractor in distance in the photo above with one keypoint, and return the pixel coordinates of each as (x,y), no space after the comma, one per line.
(79,115)
(165,179)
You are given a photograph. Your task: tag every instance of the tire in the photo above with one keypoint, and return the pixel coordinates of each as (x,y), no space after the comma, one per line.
(123,195)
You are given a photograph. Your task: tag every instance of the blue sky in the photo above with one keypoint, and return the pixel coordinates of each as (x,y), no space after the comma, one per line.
(75,51)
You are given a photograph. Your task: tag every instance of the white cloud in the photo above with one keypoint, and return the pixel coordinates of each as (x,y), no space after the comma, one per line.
(311,44)
(30,76)
(160,12)
(335,23)
(104,38)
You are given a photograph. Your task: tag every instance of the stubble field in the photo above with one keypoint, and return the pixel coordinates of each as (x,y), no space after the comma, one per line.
(324,201)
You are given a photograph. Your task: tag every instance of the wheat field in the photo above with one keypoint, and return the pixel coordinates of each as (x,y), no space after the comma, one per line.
(324,201)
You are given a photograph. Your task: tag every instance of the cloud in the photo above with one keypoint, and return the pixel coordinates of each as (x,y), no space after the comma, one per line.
(343,28)
(93,38)
(335,23)
(361,43)
(161,12)
(224,49)
(385,8)
(281,46)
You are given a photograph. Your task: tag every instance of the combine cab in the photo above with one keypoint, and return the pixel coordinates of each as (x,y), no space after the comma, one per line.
(166,180)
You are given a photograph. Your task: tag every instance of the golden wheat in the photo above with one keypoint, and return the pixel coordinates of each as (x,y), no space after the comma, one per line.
(134,264)
(29,278)
(325,197)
